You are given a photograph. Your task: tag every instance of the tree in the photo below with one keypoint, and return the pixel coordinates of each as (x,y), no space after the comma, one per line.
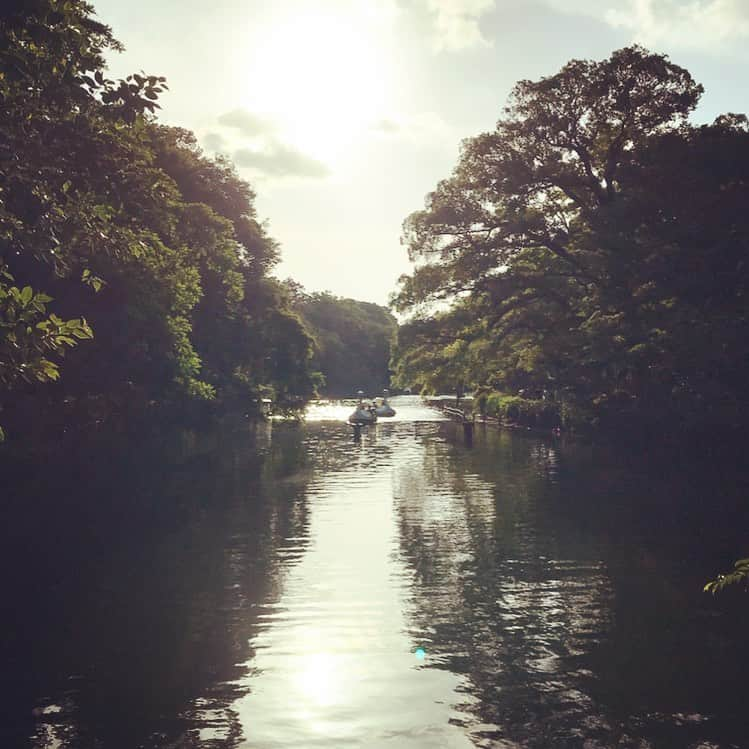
(572,232)
(740,573)
(31,340)
(70,150)
(438,354)
(123,223)
(352,340)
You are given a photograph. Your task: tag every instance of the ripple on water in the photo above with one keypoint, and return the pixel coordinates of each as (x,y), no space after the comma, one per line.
(399,591)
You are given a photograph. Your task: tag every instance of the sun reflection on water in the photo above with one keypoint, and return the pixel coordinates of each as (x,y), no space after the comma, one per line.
(319,679)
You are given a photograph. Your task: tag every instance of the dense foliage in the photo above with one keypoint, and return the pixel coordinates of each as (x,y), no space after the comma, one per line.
(518,410)
(119,234)
(739,574)
(352,341)
(593,246)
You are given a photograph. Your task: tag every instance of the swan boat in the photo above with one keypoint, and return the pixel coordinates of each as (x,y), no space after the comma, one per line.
(385,410)
(363,414)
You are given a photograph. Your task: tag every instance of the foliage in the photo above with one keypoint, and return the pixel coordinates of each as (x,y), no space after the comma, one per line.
(740,573)
(352,340)
(514,409)
(437,354)
(28,336)
(592,246)
(124,225)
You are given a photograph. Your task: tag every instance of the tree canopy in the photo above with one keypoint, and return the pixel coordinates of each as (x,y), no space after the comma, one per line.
(118,233)
(592,245)
(352,340)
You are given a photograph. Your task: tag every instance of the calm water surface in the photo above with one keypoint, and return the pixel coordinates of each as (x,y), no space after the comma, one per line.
(285,586)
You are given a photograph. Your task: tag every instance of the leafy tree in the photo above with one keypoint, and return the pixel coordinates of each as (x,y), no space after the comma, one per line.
(442,353)
(740,573)
(29,336)
(353,340)
(596,239)
(247,336)
(128,226)
(70,150)
(31,340)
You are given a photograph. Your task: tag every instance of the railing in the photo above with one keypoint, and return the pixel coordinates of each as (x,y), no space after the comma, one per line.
(457,414)
(467,421)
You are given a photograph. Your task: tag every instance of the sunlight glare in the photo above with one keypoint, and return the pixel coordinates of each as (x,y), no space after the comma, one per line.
(322,76)
(319,680)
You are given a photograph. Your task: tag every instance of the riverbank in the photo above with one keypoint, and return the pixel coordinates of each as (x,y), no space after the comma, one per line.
(508,412)
(669,440)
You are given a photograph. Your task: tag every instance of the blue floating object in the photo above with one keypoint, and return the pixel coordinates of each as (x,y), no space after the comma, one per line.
(420,653)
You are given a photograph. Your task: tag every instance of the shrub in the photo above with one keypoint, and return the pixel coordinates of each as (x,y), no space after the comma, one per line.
(512,409)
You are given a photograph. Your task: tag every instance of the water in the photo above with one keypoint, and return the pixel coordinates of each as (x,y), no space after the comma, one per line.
(286,586)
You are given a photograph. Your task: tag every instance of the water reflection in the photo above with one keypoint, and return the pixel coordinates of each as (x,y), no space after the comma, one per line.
(281,586)
(333,663)
(134,589)
(498,604)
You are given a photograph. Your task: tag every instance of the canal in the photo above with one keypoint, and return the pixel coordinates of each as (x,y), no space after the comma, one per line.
(282,585)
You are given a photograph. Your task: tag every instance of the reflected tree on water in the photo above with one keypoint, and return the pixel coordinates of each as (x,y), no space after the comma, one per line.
(184,530)
(516,619)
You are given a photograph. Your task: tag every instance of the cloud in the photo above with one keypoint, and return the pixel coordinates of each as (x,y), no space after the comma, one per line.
(257,145)
(248,124)
(716,26)
(386,127)
(276,159)
(456,23)
(702,24)
(423,128)
(214,141)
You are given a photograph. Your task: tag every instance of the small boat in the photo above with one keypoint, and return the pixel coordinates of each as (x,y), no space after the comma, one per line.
(363,414)
(385,409)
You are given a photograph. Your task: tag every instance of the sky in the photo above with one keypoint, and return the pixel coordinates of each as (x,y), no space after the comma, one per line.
(344,114)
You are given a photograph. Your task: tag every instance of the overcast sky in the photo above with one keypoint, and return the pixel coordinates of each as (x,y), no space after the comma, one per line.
(343,114)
